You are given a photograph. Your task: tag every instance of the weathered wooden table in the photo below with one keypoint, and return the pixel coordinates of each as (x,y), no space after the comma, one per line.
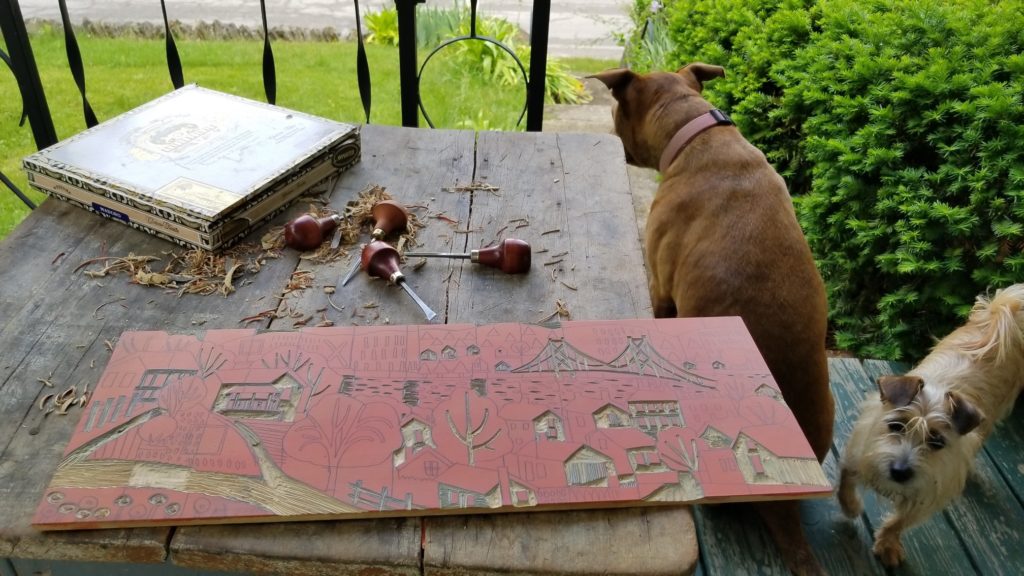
(56,323)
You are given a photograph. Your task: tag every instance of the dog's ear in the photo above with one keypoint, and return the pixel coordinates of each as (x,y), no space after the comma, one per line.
(899,390)
(698,73)
(964,415)
(616,80)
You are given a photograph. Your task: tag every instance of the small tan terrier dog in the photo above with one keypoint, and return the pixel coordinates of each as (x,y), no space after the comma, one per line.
(915,443)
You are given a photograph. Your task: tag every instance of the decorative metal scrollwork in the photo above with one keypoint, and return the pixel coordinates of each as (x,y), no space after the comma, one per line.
(471,37)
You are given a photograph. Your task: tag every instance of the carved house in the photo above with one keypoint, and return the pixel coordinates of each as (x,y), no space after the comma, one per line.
(465,487)
(768,455)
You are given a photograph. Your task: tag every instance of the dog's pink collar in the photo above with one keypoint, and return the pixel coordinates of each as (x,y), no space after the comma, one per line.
(714,117)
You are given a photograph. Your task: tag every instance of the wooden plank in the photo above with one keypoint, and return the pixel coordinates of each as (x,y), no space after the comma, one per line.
(573,191)
(734,541)
(60,334)
(876,368)
(54,336)
(34,567)
(1006,450)
(431,161)
(987,519)
(554,191)
(352,548)
(38,251)
(848,382)
(434,160)
(924,553)
(649,541)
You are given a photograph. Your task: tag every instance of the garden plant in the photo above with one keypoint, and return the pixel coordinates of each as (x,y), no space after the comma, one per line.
(899,126)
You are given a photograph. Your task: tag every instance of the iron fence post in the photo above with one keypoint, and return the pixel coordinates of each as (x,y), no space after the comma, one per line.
(539,27)
(407,64)
(12,24)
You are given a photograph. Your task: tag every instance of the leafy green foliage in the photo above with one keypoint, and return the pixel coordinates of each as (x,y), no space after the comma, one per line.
(913,125)
(650,45)
(383,28)
(898,126)
(481,58)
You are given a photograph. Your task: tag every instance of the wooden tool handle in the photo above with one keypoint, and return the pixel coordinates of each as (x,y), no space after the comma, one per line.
(380,260)
(307,233)
(388,216)
(511,256)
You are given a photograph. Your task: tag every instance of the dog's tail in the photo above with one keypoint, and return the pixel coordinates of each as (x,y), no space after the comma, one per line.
(1000,323)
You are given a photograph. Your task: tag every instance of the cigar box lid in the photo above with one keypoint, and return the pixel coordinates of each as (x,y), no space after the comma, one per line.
(196,152)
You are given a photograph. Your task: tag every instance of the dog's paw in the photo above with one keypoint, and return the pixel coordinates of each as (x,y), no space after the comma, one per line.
(889,551)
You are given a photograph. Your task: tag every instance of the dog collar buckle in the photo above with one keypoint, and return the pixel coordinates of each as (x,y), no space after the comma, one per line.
(720,117)
(689,131)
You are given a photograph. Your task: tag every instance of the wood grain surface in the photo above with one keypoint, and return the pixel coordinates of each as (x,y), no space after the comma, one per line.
(57,325)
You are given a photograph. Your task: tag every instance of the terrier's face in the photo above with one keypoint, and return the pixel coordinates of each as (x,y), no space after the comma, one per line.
(917,443)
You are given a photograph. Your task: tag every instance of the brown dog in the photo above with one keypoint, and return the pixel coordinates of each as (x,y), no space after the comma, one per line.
(723,240)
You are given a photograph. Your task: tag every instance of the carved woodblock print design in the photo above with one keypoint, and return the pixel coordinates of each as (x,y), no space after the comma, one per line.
(239,426)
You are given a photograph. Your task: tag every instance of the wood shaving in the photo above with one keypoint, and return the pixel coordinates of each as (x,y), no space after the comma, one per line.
(95,313)
(475,187)
(45,399)
(359,217)
(62,408)
(561,310)
(265,315)
(333,305)
(300,280)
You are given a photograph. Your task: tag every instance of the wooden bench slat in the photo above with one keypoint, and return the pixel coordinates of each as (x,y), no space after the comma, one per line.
(344,548)
(988,520)
(1005,447)
(654,541)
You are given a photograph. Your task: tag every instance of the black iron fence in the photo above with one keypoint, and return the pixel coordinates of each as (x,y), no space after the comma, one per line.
(20,60)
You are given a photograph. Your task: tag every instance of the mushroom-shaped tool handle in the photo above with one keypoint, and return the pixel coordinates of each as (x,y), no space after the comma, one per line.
(511,256)
(308,233)
(388,216)
(380,260)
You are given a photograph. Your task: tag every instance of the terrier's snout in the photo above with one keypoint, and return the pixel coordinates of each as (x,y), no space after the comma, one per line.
(901,472)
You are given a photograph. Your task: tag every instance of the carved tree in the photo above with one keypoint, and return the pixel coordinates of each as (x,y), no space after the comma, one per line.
(679,450)
(209,360)
(181,395)
(472,427)
(340,429)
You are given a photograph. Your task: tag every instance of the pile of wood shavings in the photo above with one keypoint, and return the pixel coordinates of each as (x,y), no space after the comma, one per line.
(202,272)
(359,218)
(194,271)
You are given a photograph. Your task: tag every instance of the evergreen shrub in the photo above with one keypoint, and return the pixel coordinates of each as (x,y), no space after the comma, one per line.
(913,126)
(899,126)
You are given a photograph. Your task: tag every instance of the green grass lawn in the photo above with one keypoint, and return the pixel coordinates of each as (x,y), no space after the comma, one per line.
(314,77)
